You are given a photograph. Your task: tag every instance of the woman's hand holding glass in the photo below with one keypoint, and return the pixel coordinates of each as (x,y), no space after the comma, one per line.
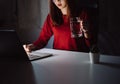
(85,28)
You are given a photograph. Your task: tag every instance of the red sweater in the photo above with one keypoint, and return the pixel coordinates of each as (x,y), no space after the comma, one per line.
(62,37)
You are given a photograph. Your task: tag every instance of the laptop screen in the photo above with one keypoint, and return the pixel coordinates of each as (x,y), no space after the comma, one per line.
(10,46)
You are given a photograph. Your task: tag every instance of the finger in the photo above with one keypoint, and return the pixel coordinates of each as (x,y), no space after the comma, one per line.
(24,46)
(81,24)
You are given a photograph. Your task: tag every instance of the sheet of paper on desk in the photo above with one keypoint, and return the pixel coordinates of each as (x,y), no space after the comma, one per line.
(38,55)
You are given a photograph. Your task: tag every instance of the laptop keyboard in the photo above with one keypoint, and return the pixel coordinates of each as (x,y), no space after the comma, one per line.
(38,55)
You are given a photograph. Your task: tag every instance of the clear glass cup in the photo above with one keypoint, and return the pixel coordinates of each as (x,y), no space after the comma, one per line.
(75,26)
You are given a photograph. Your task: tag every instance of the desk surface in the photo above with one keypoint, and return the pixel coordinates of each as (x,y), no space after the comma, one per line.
(64,67)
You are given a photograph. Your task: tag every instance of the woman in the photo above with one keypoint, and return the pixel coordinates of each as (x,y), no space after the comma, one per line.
(57,23)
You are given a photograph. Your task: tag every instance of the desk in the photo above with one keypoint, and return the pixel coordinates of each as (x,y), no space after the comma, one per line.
(64,67)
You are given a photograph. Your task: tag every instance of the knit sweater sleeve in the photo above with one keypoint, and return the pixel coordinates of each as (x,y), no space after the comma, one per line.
(45,34)
(86,17)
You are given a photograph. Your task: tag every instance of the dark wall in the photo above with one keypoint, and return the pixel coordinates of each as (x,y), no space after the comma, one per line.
(109,28)
(31,15)
(8,13)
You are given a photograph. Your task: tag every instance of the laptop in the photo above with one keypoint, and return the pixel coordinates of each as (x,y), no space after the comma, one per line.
(11,47)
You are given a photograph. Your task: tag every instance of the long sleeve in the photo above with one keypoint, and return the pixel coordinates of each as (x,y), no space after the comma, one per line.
(86,23)
(45,34)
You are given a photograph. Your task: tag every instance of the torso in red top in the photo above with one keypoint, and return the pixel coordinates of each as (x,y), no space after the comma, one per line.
(62,37)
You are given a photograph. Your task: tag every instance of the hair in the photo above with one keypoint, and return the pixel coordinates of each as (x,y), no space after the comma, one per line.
(56,14)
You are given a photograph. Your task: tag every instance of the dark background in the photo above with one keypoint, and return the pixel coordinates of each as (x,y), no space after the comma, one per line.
(27,17)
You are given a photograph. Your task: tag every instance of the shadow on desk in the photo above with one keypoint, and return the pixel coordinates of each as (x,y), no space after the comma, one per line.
(110,61)
(16,72)
(113,65)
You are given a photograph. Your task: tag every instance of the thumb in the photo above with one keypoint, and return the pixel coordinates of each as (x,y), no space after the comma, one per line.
(81,24)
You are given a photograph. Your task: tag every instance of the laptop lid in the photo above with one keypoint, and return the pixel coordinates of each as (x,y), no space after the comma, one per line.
(10,46)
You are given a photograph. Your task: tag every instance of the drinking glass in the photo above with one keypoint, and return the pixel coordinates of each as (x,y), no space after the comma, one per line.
(75,26)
